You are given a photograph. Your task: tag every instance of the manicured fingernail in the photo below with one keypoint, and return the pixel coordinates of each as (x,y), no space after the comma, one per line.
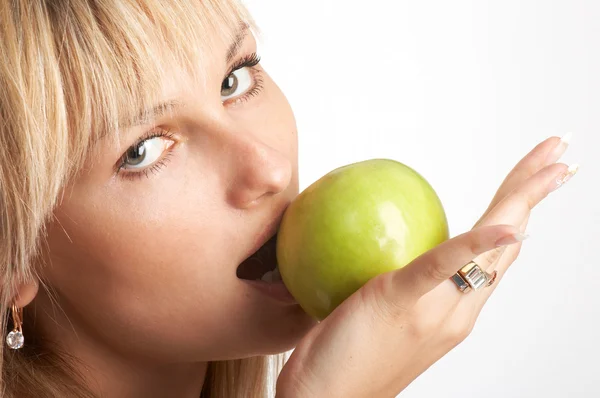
(562,178)
(511,239)
(560,149)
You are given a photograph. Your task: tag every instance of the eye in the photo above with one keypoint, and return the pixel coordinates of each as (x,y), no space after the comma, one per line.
(236,84)
(145,153)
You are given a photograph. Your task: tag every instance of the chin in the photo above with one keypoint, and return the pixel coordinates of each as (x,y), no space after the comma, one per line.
(283,336)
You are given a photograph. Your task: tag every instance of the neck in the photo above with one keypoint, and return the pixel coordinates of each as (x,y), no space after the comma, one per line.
(132,380)
(109,373)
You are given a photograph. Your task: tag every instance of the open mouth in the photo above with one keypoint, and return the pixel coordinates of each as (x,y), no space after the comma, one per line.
(262,265)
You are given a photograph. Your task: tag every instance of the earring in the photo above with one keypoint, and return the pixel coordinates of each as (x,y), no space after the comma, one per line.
(15,339)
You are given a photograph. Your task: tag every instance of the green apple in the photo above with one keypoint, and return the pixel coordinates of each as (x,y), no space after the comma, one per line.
(354,223)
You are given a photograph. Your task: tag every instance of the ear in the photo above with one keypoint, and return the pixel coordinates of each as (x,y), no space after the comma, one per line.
(26,293)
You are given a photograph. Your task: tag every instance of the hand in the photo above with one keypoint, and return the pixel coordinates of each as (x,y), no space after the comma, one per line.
(400,323)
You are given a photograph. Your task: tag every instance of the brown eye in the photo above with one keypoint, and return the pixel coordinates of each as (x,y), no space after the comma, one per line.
(236,84)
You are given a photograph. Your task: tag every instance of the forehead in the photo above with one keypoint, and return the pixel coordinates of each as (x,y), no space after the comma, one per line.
(216,64)
(129,56)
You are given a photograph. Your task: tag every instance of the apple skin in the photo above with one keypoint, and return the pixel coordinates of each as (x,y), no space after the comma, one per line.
(354,223)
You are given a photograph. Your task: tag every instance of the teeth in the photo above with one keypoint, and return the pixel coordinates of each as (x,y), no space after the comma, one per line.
(271,276)
(276,274)
(267,277)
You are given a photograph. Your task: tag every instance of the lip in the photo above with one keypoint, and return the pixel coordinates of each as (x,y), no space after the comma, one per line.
(265,235)
(275,290)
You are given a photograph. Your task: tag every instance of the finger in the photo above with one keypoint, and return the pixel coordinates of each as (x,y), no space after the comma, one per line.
(519,203)
(507,258)
(469,308)
(491,258)
(501,265)
(437,265)
(524,224)
(515,208)
(544,154)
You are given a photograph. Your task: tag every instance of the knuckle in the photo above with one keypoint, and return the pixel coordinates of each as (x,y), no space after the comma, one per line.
(478,242)
(508,258)
(490,257)
(475,245)
(294,382)
(434,270)
(384,302)
(514,254)
(537,158)
(457,332)
(424,327)
(525,198)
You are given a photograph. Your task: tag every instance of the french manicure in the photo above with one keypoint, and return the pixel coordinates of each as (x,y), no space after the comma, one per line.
(559,150)
(511,239)
(564,177)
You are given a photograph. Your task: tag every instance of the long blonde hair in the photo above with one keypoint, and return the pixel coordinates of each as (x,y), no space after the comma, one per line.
(71,71)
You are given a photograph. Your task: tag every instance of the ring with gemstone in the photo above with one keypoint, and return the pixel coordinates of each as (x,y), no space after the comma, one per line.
(472,277)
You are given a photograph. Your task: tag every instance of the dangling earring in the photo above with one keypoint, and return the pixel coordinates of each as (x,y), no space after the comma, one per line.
(15,339)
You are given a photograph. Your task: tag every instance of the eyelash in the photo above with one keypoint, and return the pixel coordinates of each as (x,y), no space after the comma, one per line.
(249,61)
(154,168)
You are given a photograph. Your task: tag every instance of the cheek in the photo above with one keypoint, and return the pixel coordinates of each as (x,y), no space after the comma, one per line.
(138,238)
(140,257)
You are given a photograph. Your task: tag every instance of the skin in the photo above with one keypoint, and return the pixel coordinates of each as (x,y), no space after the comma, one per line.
(402,322)
(143,270)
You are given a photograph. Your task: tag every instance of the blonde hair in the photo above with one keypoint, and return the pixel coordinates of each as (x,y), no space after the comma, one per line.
(71,71)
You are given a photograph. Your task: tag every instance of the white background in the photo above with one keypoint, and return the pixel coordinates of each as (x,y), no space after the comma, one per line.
(461,90)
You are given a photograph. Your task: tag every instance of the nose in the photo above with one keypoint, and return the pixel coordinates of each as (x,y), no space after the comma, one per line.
(260,172)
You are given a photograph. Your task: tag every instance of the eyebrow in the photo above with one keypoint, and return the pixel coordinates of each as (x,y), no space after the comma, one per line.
(159,110)
(235,47)
(145,116)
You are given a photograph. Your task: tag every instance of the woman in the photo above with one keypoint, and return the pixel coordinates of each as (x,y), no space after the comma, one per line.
(144,155)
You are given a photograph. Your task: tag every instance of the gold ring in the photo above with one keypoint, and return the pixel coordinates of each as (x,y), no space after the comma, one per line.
(472,277)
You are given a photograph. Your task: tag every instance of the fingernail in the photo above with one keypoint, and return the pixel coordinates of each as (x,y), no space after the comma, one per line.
(559,150)
(564,177)
(511,239)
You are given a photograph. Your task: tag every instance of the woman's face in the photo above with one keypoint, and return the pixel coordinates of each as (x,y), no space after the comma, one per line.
(144,261)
